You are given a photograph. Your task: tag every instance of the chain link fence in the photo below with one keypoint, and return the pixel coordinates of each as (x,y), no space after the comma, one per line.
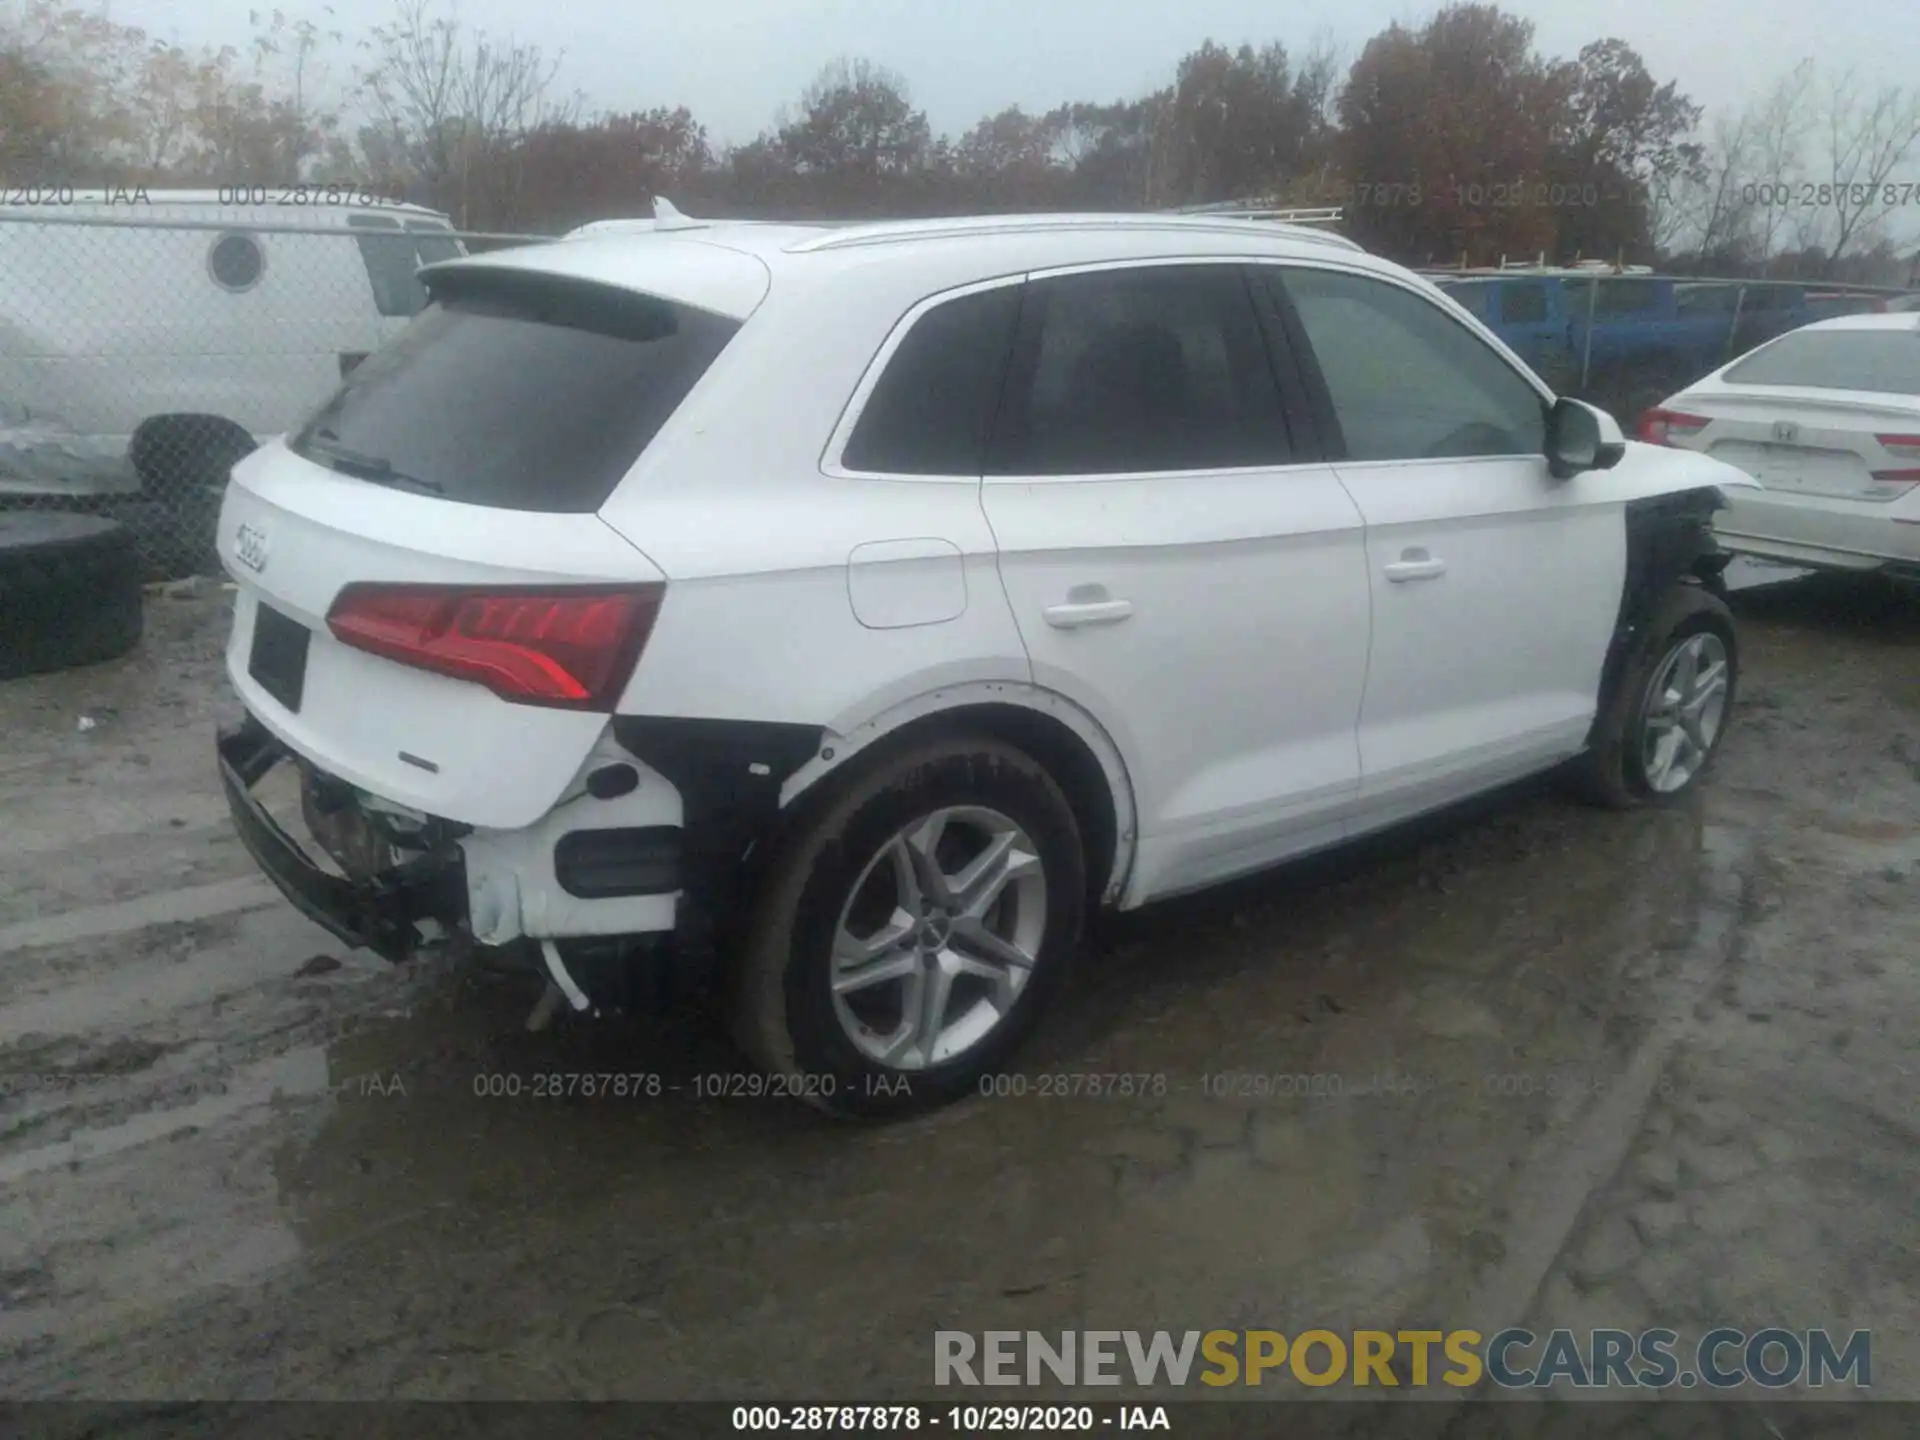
(143,353)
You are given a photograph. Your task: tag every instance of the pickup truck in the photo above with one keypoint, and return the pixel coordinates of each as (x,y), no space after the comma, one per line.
(1658,325)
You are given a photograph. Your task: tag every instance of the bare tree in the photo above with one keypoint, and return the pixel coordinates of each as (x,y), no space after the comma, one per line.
(455,103)
(1868,140)
(289,61)
(1711,209)
(1778,126)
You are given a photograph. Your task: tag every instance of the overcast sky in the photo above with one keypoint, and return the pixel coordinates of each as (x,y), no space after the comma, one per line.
(735,62)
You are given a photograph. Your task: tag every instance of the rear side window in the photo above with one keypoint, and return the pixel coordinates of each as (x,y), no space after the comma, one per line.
(1140,370)
(1705,299)
(1523,304)
(933,407)
(432,243)
(388,255)
(1882,361)
(1406,380)
(1617,297)
(517,391)
(392,256)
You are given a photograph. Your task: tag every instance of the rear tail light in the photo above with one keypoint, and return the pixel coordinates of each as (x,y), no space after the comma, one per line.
(1901,447)
(1669,427)
(574,648)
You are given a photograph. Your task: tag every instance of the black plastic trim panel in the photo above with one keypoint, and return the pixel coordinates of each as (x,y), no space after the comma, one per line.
(379,915)
(1669,538)
(632,860)
(729,774)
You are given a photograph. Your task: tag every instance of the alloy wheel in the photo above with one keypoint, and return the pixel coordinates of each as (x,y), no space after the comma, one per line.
(939,937)
(1686,706)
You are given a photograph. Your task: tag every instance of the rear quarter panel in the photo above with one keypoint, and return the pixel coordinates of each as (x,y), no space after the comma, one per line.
(733,502)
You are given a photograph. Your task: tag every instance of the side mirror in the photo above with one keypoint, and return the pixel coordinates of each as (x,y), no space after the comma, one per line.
(1581,437)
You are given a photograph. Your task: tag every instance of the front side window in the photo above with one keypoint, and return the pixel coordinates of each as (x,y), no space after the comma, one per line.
(933,406)
(1405,379)
(1140,370)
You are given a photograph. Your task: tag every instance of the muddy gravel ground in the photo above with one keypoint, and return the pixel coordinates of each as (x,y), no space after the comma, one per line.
(1573,1068)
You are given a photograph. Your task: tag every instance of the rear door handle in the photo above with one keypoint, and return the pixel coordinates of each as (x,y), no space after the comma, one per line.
(1093,612)
(1415,565)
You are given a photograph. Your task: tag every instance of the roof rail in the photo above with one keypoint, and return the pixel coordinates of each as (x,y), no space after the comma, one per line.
(1263,210)
(893,232)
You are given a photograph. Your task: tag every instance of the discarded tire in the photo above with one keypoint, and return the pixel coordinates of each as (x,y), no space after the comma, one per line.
(69,592)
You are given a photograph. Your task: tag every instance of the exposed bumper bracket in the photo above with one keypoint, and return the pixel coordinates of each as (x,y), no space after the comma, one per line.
(557,968)
(379,915)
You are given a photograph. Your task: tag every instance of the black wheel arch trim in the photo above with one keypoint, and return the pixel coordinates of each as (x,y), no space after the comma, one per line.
(729,774)
(1670,541)
(379,914)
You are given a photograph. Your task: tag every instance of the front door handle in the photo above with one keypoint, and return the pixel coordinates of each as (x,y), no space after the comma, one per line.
(1415,565)
(1073,615)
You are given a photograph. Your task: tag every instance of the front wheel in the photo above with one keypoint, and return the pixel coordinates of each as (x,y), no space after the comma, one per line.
(1661,728)
(907,937)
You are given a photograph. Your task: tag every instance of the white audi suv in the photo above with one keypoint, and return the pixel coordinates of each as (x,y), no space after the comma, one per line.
(841,613)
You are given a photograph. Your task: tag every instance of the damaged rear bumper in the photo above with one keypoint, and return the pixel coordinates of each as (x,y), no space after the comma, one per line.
(382,914)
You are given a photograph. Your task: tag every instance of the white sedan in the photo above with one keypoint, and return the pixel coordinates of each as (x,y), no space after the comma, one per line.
(1827,419)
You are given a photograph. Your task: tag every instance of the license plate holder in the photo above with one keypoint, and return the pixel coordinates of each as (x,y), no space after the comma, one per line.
(278,659)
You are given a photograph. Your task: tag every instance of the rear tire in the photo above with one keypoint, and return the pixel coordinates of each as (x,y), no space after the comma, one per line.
(851,1035)
(1659,731)
(69,592)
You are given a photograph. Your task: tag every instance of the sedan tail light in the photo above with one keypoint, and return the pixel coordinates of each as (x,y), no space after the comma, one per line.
(1669,427)
(1901,447)
(574,648)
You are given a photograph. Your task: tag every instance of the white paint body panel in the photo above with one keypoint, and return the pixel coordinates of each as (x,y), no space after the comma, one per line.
(1233,684)
(1488,659)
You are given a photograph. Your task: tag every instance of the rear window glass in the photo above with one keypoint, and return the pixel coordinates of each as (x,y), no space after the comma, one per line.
(519,392)
(1885,361)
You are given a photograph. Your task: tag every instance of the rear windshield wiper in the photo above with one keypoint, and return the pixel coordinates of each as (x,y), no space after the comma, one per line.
(377,468)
